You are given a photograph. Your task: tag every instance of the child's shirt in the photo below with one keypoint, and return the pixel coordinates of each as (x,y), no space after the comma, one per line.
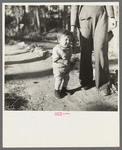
(61,56)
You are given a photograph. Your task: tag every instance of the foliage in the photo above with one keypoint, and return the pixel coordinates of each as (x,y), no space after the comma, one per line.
(22,20)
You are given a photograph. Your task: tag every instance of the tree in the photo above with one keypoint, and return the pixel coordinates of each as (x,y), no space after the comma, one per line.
(37,18)
(65,12)
(21,19)
(43,13)
(13,16)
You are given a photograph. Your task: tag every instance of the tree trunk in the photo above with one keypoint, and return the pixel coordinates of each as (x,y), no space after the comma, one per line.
(38,19)
(17,19)
(27,8)
(35,23)
(66,17)
(26,27)
(58,18)
(45,29)
(18,26)
(63,16)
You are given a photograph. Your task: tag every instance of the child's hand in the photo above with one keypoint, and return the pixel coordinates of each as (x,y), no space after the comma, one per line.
(62,61)
(65,62)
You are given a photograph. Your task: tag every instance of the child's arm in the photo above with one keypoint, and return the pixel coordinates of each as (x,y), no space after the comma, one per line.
(62,61)
(57,56)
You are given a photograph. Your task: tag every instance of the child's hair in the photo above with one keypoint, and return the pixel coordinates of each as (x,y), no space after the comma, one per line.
(63,32)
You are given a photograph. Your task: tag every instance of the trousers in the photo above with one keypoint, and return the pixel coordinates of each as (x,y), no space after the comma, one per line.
(61,76)
(94,36)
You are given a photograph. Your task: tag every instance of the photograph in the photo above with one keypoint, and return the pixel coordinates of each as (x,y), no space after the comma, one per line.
(60,64)
(61,57)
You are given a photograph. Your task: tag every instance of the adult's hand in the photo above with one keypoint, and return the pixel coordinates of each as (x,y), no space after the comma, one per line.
(74,32)
(112,23)
(73,29)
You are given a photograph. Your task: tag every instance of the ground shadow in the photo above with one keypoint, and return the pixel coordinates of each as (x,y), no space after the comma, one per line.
(29,75)
(27,61)
(100,107)
(14,102)
(24,61)
(17,53)
(71,92)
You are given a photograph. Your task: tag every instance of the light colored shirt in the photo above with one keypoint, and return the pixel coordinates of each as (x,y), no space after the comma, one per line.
(85,11)
(61,56)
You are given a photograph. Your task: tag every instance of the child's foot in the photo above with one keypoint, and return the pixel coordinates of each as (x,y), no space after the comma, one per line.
(57,94)
(64,91)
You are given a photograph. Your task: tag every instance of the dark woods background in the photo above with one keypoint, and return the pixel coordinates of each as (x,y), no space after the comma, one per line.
(34,22)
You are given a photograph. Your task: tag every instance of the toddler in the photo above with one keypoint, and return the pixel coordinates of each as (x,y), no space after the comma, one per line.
(61,61)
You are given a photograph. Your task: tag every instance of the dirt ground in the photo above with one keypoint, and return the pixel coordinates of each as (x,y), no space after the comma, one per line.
(29,84)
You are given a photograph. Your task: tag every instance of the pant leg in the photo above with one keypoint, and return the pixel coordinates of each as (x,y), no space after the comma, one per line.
(66,79)
(86,70)
(58,81)
(58,78)
(101,50)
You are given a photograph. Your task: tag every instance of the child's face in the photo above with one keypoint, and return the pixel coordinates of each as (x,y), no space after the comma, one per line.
(65,40)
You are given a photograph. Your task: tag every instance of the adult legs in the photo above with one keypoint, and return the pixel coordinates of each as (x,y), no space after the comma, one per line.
(86,70)
(101,51)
